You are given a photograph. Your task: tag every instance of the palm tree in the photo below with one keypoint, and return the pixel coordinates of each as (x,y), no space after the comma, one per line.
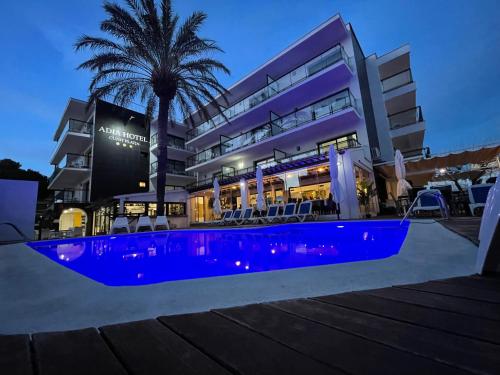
(152,58)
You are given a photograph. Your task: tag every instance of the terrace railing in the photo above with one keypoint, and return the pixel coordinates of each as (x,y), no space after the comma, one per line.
(279,125)
(71,196)
(277,164)
(405,118)
(312,67)
(172,168)
(397,80)
(172,142)
(71,161)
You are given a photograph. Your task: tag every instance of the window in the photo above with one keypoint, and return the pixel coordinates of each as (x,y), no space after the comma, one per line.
(346,141)
(142,184)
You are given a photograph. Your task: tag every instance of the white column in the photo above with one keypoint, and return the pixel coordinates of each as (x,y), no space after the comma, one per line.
(349,206)
(121,209)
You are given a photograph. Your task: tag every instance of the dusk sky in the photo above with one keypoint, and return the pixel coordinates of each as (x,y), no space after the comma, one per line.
(455,52)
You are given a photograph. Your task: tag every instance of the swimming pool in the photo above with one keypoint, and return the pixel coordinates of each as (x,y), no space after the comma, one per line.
(154,257)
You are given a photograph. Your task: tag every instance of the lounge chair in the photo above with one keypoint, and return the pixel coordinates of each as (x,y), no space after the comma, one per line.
(288,212)
(305,211)
(272,214)
(120,225)
(426,201)
(144,224)
(225,215)
(234,218)
(248,217)
(478,195)
(161,223)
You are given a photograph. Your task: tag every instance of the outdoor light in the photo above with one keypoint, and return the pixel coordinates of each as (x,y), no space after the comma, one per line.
(442,170)
(242,184)
(237,263)
(240,165)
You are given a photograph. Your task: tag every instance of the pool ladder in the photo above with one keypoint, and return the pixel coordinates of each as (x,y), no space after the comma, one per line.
(439,198)
(18,231)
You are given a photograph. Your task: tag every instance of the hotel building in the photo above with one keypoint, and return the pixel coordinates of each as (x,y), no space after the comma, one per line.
(283,116)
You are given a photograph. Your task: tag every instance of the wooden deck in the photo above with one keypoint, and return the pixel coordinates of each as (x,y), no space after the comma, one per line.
(467,226)
(442,327)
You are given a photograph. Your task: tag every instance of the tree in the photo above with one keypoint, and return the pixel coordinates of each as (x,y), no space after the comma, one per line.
(151,58)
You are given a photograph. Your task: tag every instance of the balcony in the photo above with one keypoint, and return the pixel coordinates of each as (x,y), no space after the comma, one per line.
(281,163)
(71,171)
(280,125)
(273,88)
(71,196)
(397,80)
(406,118)
(175,168)
(407,129)
(177,145)
(76,137)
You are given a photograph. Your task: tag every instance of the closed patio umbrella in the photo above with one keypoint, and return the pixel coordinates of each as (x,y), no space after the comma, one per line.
(261,203)
(399,165)
(335,188)
(217,208)
(244,194)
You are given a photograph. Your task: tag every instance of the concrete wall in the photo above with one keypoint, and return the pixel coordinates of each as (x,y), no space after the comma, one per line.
(17,206)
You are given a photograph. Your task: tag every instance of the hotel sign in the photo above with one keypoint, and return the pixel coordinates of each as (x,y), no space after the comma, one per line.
(122,137)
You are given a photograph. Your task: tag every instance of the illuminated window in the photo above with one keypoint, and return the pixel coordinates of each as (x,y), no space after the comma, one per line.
(142,184)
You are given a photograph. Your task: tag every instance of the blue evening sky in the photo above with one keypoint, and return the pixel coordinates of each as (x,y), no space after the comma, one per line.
(455,58)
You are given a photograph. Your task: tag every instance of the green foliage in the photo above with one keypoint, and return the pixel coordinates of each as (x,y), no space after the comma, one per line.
(11,170)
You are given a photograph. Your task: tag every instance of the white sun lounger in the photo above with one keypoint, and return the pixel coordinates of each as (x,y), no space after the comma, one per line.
(120,225)
(144,224)
(161,223)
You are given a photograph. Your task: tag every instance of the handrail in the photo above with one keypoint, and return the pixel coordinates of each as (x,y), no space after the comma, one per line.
(439,198)
(23,236)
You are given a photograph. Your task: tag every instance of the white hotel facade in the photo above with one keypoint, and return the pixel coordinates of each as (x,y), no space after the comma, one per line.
(284,115)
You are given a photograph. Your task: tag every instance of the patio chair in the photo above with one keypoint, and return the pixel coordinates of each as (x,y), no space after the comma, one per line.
(248,217)
(477,196)
(272,214)
(426,201)
(120,225)
(234,218)
(144,224)
(288,212)
(161,223)
(225,215)
(305,211)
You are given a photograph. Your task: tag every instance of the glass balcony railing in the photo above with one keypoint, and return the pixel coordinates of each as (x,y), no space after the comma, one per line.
(173,167)
(397,80)
(325,107)
(173,142)
(286,158)
(71,161)
(77,126)
(405,118)
(71,196)
(273,88)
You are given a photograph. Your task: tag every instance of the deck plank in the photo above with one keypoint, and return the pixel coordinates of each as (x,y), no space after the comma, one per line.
(438,301)
(15,357)
(148,347)
(468,354)
(461,291)
(480,329)
(241,349)
(472,282)
(79,352)
(331,345)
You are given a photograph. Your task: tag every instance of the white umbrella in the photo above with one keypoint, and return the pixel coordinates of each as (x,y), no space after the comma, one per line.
(335,188)
(261,204)
(399,165)
(217,208)
(243,190)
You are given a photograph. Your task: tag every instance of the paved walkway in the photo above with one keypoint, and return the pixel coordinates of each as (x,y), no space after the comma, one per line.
(449,326)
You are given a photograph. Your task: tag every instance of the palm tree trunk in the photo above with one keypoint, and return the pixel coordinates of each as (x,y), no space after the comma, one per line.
(162,155)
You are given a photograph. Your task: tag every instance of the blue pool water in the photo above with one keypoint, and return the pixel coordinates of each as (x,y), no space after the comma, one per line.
(147,258)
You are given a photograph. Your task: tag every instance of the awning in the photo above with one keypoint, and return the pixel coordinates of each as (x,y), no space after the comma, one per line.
(423,170)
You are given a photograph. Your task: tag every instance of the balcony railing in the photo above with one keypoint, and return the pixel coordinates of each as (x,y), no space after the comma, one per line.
(276,165)
(300,117)
(397,80)
(77,126)
(71,161)
(71,196)
(273,88)
(172,142)
(405,118)
(172,168)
